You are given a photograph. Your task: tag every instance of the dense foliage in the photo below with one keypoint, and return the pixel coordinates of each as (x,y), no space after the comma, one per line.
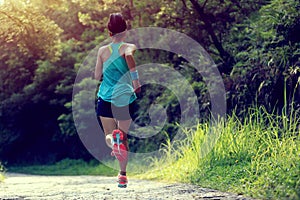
(255,45)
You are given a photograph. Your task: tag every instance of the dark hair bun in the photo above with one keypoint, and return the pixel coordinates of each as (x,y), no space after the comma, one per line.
(116,23)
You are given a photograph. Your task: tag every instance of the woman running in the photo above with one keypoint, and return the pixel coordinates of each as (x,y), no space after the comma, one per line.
(116,95)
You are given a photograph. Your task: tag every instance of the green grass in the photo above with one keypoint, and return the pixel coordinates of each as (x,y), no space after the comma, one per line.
(72,167)
(67,167)
(1,172)
(258,156)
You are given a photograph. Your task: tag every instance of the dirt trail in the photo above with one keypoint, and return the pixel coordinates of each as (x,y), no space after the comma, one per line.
(20,186)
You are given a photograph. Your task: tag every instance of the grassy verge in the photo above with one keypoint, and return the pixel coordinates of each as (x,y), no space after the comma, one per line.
(1,172)
(67,167)
(71,167)
(258,157)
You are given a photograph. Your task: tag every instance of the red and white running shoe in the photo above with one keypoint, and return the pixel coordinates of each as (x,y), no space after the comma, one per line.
(119,150)
(122,181)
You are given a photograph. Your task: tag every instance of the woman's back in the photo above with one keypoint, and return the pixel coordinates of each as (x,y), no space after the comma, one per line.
(116,86)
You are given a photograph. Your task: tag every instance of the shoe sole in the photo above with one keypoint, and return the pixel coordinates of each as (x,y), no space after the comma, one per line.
(122,185)
(122,182)
(119,149)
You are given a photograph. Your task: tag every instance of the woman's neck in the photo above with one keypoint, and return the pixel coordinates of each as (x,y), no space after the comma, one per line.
(114,40)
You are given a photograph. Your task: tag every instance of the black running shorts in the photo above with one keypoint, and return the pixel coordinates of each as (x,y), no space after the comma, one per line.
(107,109)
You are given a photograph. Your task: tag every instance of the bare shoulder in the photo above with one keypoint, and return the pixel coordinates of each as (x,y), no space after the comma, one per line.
(104,53)
(102,49)
(129,48)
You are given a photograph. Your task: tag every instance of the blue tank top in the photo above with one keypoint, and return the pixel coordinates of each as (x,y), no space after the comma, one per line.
(116,86)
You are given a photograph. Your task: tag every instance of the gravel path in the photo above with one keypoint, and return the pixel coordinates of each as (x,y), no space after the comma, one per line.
(20,186)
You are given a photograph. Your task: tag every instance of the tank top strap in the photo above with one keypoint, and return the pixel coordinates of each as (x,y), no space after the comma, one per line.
(121,44)
(115,47)
(110,48)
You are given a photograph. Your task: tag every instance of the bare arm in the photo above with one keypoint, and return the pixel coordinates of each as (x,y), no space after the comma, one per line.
(129,57)
(99,66)
(132,66)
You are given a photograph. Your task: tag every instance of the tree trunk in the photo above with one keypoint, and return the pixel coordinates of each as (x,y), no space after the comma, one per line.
(225,56)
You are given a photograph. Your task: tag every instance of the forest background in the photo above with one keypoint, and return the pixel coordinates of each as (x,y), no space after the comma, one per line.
(43,42)
(255,45)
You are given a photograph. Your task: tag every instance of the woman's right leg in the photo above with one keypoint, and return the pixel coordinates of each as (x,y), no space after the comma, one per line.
(124,125)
